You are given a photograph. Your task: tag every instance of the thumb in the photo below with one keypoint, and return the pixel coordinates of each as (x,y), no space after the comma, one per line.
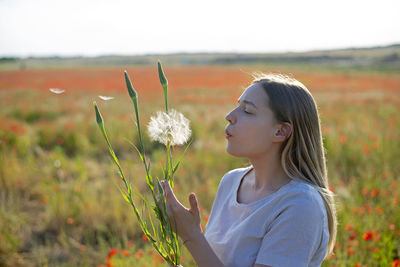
(194,207)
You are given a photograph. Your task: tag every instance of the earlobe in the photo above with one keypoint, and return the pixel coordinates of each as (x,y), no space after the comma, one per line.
(280,133)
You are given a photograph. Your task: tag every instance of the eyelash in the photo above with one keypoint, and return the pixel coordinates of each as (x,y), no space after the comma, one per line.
(244,110)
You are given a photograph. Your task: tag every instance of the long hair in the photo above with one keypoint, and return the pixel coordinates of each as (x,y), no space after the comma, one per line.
(302,154)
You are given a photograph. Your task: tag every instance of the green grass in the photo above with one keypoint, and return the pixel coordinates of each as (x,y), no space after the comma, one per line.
(59,205)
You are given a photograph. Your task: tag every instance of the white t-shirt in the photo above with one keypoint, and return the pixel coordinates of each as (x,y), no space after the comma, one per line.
(287,228)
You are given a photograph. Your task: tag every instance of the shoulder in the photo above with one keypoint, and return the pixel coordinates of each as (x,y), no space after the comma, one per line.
(303,199)
(298,229)
(229,179)
(234,174)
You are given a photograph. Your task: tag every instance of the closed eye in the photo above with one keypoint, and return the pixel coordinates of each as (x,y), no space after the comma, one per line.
(244,110)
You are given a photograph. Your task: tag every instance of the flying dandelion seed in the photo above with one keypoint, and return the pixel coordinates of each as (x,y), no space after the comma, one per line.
(106,97)
(169,127)
(56,90)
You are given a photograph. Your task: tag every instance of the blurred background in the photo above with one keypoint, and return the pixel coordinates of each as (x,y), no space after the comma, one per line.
(59,203)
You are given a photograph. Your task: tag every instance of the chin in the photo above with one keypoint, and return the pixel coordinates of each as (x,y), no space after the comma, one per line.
(235,152)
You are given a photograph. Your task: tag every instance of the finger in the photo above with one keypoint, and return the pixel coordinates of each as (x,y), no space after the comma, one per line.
(169,212)
(194,207)
(159,199)
(169,194)
(160,202)
(171,218)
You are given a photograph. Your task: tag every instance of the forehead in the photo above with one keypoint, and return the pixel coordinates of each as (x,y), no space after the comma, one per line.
(256,94)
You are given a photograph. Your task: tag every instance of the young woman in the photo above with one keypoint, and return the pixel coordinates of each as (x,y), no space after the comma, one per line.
(279,211)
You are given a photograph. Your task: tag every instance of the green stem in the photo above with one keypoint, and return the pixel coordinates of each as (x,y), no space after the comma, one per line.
(166,229)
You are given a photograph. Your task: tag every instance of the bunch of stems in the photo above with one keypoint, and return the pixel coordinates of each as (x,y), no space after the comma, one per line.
(160,231)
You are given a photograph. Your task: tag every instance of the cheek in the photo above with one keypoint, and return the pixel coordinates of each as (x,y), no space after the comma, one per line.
(253,138)
(257,132)
(258,142)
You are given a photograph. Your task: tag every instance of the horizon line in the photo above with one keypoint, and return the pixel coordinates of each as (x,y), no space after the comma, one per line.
(72,56)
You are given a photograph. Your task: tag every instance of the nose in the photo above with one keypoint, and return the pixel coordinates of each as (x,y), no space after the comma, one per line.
(230,117)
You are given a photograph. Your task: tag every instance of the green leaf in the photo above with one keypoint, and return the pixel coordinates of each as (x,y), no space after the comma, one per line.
(149,179)
(181,158)
(123,194)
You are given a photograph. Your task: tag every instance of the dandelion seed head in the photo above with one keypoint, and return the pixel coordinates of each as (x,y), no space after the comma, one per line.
(105,97)
(171,126)
(56,90)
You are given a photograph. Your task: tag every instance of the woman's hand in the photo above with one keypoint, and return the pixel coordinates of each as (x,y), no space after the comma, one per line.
(188,228)
(185,222)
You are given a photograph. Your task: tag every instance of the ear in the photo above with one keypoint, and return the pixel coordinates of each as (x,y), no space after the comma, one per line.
(283,131)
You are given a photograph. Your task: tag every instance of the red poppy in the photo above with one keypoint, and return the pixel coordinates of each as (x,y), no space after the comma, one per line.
(342,139)
(109,263)
(353,236)
(139,254)
(332,188)
(374,192)
(396,263)
(364,191)
(368,235)
(145,238)
(126,253)
(350,251)
(366,149)
(349,227)
(112,252)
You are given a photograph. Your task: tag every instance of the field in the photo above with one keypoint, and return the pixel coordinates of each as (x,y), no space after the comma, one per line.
(59,205)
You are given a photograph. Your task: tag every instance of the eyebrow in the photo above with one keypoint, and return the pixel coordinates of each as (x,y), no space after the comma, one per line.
(248,102)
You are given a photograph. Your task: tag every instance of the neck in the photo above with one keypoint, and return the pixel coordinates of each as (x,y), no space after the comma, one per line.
(268,172)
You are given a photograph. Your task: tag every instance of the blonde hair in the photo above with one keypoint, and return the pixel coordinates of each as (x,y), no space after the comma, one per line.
(302,154)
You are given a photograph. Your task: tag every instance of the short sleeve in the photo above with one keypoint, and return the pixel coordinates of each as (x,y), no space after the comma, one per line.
(294,236)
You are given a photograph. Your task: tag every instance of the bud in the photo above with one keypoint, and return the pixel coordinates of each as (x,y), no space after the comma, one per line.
(131,91)
(163,79)
(99,118)
(164,84)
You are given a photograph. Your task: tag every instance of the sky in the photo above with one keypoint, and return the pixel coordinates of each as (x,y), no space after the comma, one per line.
(123,27)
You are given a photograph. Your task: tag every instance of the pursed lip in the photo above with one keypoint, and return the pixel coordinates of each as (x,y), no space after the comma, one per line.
(227,133)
